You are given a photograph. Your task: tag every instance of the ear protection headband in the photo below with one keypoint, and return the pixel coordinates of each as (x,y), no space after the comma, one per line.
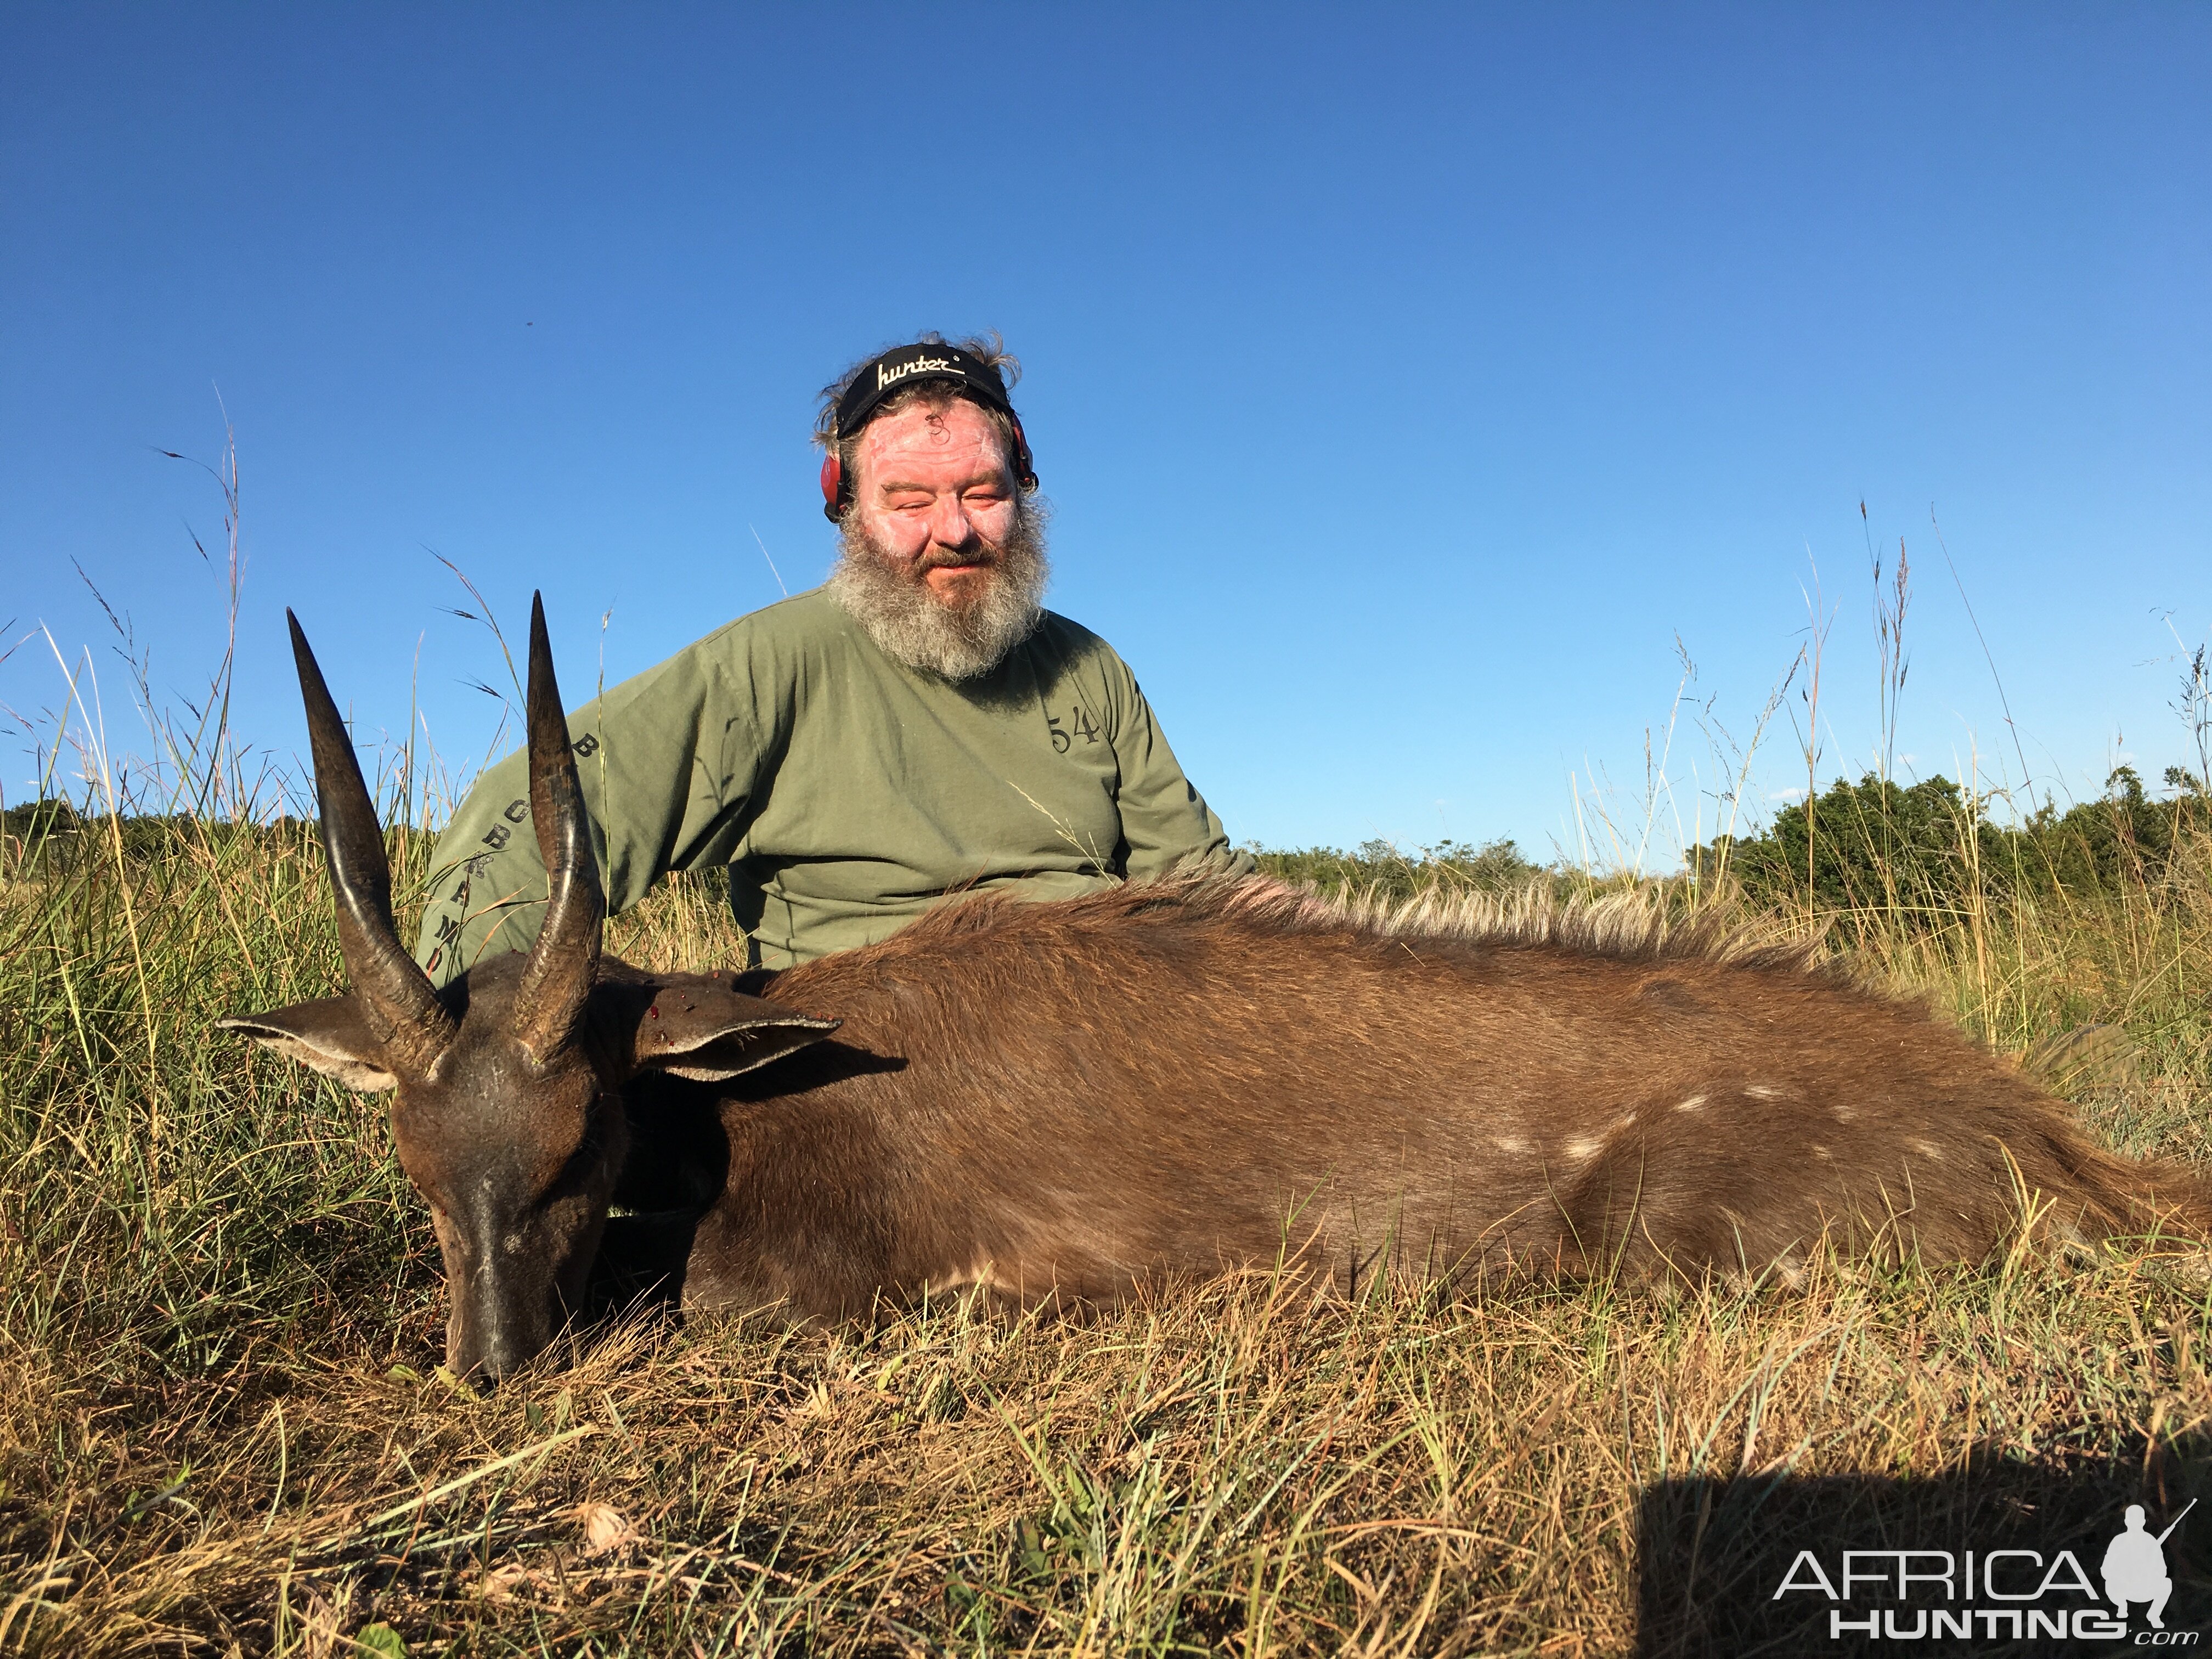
(894,370)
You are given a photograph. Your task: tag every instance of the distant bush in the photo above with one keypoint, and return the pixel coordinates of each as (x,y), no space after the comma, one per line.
(1927,848)
(1923,850)
(51,837)
(1379,868)
(53,833)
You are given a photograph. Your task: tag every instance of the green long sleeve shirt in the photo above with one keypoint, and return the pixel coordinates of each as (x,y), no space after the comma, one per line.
(847,793)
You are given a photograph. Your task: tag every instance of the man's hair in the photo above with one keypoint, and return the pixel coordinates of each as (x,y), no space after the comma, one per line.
(987,348)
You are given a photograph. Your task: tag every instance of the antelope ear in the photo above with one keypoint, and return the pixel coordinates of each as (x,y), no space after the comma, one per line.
(328,1036)
(692,1027)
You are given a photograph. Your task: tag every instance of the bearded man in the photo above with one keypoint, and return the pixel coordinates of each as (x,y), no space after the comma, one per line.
(918,727)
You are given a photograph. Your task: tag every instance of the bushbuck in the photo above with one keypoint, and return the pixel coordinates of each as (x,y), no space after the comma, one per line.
(1066,1100)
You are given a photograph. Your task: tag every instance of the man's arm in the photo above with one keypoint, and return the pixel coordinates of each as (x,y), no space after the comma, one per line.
(668,762)
(1166,824)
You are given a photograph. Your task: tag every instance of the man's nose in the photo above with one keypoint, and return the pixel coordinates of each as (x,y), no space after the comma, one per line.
(950,525)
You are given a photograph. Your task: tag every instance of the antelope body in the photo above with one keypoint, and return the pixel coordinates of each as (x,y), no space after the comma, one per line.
(1069,1099)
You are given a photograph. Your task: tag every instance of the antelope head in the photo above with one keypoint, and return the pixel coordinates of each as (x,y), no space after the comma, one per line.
(507,1110)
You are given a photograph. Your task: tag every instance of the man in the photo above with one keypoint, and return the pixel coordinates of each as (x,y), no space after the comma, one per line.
(2135,1568)
(918,727)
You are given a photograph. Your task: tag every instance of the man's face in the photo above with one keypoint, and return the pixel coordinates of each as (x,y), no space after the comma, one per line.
(943,564)
(934,495)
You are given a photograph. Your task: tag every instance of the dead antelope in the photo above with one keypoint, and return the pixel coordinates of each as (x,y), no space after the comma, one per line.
(1067,1099)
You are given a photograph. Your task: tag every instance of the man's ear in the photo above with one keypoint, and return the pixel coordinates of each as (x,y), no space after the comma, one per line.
(695,1028)
(328,1036)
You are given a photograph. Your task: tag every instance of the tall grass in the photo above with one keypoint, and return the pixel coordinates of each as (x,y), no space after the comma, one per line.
(222,1429)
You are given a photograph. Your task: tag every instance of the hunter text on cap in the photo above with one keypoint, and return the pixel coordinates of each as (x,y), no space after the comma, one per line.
(877,380)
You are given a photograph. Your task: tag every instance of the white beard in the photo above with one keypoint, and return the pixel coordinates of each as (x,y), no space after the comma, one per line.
(892,600)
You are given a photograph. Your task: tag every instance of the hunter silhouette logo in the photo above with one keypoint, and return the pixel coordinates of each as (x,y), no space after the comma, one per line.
(2135,1565)
(2000,1594)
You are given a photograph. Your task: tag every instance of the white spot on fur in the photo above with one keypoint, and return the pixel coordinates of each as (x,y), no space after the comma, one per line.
(1842,1114)
(1765,1091)
(1691,1104)
(1822,1151)
(1928,1150)
(1626,1119)
(1511,1145)
(1584,1147)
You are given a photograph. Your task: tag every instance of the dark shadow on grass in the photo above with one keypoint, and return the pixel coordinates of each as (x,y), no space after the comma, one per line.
(1711,1554)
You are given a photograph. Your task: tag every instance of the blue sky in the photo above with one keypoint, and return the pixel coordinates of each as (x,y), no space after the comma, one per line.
(1405,381)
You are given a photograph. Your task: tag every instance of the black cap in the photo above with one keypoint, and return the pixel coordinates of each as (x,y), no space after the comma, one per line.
(930,361)
(924,360)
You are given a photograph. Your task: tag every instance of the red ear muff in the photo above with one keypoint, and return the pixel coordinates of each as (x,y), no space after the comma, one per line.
(833,484)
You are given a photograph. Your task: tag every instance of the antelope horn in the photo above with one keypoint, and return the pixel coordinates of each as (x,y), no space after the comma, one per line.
(401,1010)
(564,963)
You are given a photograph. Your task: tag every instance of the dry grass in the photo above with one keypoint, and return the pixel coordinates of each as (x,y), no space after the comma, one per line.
(1215,1470)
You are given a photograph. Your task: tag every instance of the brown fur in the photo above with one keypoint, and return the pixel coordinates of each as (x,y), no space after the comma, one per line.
(1070,1097)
